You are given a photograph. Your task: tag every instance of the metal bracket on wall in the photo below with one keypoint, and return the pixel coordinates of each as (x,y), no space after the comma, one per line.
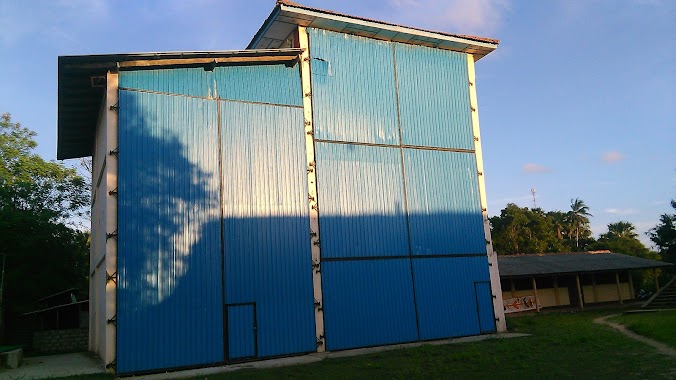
(114,152)
(318,305)
(320,340)
(113,320)
(316,265)
(316,242)
(115,107)
(313,234)
(111,277)
(111,235)
(113,192)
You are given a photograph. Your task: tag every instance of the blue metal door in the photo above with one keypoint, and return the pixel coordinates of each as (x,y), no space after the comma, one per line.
(484,302)
(242,331)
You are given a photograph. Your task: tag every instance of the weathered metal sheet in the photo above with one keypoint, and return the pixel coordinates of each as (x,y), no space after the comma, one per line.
(443,203)
(368,303)
(241,331)
(433,97)
(266,225)
(353,88)
(275,83)
(169,297)
(361,199)
(446,298)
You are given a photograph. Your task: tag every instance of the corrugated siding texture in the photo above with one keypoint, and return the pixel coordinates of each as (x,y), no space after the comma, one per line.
(484,297)
(434,97)
(445,295)
(443,203)
(276,84)
(361,199)
(266,225)
(241,333)
(368,303)
(169,300)
(353,88)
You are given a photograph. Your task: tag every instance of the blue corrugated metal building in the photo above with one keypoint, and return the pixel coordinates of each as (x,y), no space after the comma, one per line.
(322,190)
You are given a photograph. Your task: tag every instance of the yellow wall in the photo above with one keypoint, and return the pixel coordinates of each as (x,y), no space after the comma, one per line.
(605,292)
(547,296)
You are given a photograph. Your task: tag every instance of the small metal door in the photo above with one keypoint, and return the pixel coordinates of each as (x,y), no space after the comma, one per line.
(242,331)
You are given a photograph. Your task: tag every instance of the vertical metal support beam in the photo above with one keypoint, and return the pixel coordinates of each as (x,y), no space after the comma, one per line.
(556,291)
(110,176)
(632,295)
(579,291)
(535,293)
(619,289)
(496,289)
(305,74)
(596,293)
(512,287)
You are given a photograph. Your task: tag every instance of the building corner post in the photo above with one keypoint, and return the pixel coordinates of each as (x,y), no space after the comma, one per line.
(313,205)
(496,289)
(111,224)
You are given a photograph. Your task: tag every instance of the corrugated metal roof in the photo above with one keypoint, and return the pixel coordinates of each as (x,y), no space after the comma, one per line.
(287,15)
(81,85)
(568,263)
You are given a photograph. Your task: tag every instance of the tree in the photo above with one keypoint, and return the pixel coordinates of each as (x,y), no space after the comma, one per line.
(523,230)
(38,200)
(579,218)
(664,235)
(619,230)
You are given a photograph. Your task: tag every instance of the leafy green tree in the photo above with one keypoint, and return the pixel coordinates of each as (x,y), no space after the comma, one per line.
(579,219)
(41,251)
(619,230)
(524,230)
(664,235)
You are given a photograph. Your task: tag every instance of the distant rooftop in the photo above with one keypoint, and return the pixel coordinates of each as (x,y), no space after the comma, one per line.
(571,263)
(286,16)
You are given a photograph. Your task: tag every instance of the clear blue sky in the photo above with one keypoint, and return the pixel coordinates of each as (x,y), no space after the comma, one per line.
(578,100)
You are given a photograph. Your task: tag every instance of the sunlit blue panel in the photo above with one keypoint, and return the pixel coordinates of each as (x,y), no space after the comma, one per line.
(241,331)
(276,84)
(368,303)
(446,298)
(443,203)
(169,295)
(266,227)
(434,97)
(361,196)
(353,88)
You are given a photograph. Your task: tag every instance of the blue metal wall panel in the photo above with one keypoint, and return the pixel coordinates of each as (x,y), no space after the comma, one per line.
(443,203)
(368,303)
(277,84)
(353,88)
(169,297)
(361,197)
(445,295)
(484,297)
(433,97)
(266,224)
(241,331)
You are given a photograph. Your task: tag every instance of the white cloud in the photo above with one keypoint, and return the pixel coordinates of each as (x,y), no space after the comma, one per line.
(613,156)
(457,16)
(621,211)
(535,168)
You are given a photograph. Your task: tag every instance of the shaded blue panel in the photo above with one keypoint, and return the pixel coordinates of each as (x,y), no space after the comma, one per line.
(446,297)
(169,295)
(484,299)
(353,88)
(276,84)
(241,331)
(362,202)
(368,303)
(443,203)
(266,226)
(434,97)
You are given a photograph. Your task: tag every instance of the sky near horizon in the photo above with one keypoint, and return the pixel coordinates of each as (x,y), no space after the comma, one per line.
(577,102)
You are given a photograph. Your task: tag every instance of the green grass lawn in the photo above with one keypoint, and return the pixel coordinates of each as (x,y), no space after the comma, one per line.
(659,325)
(563,345)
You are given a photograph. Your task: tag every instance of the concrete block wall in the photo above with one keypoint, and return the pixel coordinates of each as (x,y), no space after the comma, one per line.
(61,340)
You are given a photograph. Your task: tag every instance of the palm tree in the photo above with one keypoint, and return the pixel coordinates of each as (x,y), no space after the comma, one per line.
(620,230)
(579,217)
